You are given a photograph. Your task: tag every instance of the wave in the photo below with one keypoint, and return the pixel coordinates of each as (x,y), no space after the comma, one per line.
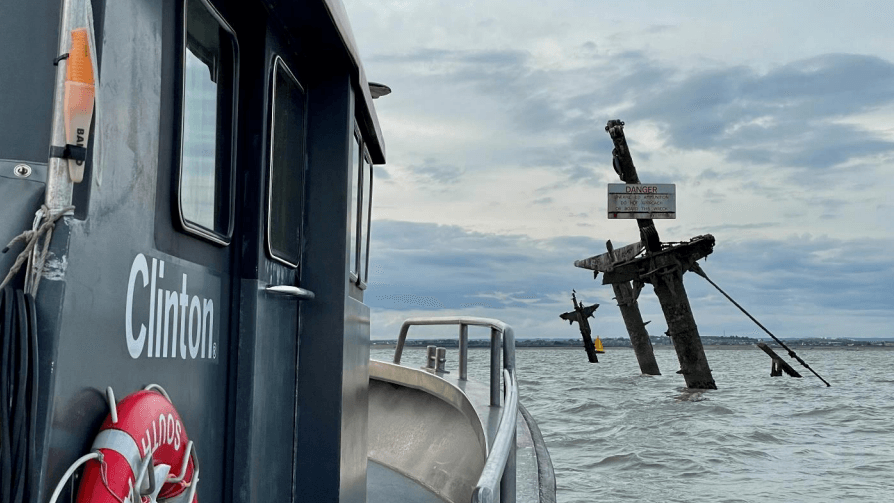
(617,436)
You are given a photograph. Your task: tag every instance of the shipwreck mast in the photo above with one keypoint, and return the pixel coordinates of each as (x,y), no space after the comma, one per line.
(663,266)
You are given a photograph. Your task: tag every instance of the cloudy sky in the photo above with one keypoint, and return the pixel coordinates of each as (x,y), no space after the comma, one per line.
(775,122)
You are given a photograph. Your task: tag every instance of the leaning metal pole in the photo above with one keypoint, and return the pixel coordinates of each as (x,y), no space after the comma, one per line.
(698,270)
(665,272)
(636,329)
(626,296)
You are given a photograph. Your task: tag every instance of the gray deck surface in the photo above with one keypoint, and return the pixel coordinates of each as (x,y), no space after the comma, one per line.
(386,485)
(527,480)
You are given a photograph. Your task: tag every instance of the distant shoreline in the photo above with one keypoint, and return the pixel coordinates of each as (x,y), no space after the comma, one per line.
(723,347)
(666,347)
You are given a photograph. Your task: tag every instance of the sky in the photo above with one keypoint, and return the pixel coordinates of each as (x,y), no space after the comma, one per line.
(775,121)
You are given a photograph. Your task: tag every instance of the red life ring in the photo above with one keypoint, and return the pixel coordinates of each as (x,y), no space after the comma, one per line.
(143,436)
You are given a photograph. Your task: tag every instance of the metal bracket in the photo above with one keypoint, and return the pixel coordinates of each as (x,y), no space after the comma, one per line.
(158,388)
(69,151)
(113,406)
(185,464)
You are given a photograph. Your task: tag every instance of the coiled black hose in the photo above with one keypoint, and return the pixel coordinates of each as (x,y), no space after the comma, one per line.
(18,396)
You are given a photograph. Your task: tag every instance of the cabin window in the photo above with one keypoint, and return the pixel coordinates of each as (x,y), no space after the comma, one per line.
(361,207)
(365,214)
(353,216)
(205,192)
(287,164)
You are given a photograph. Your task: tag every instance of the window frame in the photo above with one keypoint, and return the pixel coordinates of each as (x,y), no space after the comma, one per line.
(365,209)
(357,138)
(278,62)
(229,170)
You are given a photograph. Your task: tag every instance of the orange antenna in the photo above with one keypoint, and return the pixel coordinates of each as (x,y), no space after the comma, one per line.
(79,95)
(80,67)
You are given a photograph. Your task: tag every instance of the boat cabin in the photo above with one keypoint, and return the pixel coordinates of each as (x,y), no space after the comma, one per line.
(186,187)
(217,242)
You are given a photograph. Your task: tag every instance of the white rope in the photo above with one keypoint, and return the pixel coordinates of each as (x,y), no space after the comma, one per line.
(30,253)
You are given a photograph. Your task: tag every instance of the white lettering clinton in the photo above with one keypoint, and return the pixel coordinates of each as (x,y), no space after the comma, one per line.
(176,320)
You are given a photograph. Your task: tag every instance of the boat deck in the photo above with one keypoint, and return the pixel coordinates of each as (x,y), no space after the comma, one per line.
(386,485)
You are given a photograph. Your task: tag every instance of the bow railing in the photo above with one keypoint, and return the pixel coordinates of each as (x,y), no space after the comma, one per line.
(498,474)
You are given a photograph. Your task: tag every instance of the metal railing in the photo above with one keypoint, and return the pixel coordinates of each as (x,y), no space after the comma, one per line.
(498,474)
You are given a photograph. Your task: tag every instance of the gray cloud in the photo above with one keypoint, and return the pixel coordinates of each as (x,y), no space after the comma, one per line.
(420,55)
(410,300)
(730,227)
(781,117)
(821,273)
(459,267)
(381,173)
(433,171)
(816,146)
(444,269)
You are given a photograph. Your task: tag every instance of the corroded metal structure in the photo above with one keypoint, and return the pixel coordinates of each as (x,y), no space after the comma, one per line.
(627,294)
(663,266)
(779,365)
(580,315)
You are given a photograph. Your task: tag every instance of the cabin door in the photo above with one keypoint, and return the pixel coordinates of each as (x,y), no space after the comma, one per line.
(272,294)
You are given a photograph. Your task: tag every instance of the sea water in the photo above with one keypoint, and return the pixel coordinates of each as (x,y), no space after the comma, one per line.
(616,435)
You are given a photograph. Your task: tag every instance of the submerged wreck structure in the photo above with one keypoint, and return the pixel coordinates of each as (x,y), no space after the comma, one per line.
(661,264)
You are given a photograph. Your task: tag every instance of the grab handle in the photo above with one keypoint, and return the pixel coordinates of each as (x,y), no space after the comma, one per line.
(293,291)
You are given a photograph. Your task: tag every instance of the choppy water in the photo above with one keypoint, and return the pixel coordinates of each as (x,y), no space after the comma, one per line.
(615,435)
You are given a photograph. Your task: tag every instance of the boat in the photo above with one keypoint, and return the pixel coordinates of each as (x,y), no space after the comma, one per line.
(186,187)
(598,344)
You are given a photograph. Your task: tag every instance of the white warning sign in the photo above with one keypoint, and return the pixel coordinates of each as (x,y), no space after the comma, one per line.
(642,200)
